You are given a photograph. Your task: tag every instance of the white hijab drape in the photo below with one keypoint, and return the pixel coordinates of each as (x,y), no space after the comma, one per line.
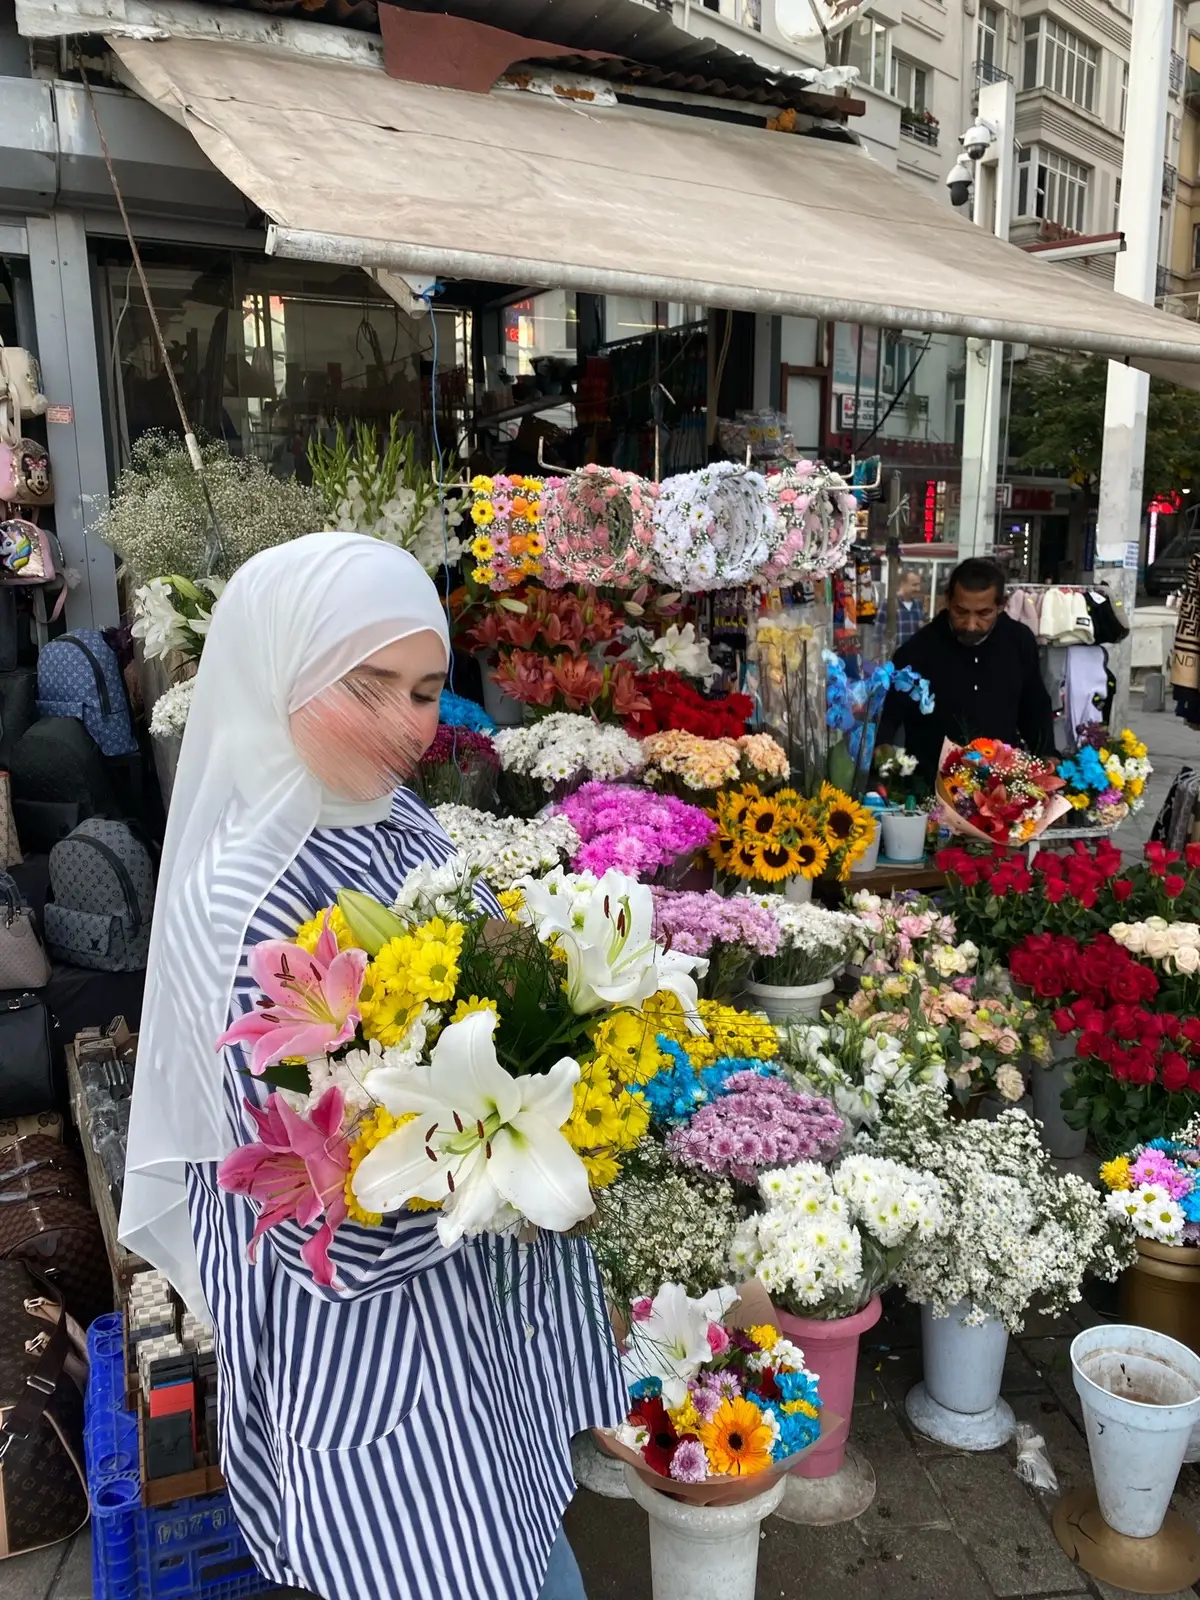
(292,621)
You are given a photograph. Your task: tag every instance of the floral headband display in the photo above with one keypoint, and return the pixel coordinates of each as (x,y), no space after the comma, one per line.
(714,529)
(508,541)
(814,522)
(599,529)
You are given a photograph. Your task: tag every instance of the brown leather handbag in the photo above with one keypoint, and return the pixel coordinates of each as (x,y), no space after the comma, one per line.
(43,1489)
(46,1221)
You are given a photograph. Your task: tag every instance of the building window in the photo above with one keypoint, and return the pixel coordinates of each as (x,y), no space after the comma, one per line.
(1056,58)
(1052,187)
(871,53)
(900,357)
(1124,93)
(987,37)
(1196,247)
(909,83)
(1116,227)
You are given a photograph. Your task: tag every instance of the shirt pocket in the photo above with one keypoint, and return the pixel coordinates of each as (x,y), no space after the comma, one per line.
(348,1372)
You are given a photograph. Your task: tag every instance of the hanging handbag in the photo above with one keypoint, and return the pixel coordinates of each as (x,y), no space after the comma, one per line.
(10,845)
(24,964)
(43,1487)
(26,1064)
(25,476)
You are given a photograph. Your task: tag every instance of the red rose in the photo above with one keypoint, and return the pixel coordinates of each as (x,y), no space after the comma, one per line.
(1122,888)
(1089,1043)
(1055,890)
(1125,984)
(1141,1067)
(1174,1072)
(1048,864)
(1064,1020)
(1173,886)
(1156,851)
(1191,1030)
(1192,855)
(1088,896)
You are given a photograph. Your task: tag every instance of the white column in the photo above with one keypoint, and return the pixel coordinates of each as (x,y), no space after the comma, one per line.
(985,358)
(1118,528)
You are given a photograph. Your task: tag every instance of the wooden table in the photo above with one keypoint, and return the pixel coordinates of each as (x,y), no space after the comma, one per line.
(886,878)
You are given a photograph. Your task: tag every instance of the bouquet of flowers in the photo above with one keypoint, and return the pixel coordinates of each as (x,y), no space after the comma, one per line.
(1154,1189)
(766,839)
(685,765)
(990,790)
(1016,1234)
(172,615)
(721,1406)
(852,712)
(732,933)
(672,702)
(861,1065)
(508,543)
(489,1070)
(814,944)
(1106,777)
(508,849)
(908,927)
(459,768)
(556,754)
(826,1242)
(639,832)
(979,1036)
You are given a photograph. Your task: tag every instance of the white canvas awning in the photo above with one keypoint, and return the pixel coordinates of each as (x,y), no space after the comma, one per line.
(356,167)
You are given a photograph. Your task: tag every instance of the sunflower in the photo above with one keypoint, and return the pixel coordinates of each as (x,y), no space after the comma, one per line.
(846,822)
(777,861)
(744,859)
(762,820)
(812,855)
(737,1440)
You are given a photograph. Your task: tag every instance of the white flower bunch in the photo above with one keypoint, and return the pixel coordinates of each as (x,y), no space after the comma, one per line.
(174,614)
(1151,1212)
(170,713)
(508,848)
(563,747)
(445,890)
(861,1067)
(953,960)
(1175,944)
(1016,1232)
(899,764)
(816,943)
(827,1242)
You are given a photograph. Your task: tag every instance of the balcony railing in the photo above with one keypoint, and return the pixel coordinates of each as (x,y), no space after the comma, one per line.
(920,127)
(1162,282)
(1178,68)
(987,72)
(1170,178)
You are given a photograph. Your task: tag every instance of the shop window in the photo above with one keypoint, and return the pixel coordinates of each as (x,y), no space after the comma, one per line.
(269,354)
(1057,59)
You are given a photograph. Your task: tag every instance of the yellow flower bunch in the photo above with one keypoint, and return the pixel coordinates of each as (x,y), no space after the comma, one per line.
(741,1034)
(372,1130)
(770,838)
(605,1120)
(418,969)
(1115,1174)
(309,933)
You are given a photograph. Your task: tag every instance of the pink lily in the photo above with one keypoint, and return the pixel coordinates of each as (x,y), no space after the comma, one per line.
(295,1172)
(309,1004)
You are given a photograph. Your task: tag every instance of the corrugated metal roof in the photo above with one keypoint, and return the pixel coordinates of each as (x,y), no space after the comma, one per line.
(770,91)
(626,28)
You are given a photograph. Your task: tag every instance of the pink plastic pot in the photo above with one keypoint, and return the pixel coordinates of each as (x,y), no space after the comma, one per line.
(831,1351)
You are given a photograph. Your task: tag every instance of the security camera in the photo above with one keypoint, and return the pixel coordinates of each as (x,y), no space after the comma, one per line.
(977,140)
(958,181)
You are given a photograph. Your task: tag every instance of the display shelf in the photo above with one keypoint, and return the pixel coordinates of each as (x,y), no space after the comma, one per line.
(122,1262)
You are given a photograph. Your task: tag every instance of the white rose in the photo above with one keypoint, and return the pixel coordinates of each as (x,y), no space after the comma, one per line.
(1187,958)
(1156,924)
(1135,939)
(1157,946)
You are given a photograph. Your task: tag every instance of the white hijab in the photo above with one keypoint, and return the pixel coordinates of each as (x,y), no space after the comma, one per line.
(292,621)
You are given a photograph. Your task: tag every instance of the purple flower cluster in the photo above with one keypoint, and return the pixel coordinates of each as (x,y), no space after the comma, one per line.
(632,829)
(694,923)
(761,1123)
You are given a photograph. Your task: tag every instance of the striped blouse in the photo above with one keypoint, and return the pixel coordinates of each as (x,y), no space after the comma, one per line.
(406,1434)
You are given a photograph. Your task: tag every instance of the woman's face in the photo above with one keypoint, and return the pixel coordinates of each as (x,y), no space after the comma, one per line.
(363,736)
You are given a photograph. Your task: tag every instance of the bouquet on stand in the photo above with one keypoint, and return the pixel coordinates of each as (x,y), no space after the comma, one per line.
(1105,778)
(991,791)
(1154,1188)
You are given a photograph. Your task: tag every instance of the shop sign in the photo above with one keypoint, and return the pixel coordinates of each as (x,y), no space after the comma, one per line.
(867,410)
(64,415)
(1025,498)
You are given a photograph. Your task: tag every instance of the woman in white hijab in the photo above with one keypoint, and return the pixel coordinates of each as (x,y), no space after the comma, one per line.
(403,1435)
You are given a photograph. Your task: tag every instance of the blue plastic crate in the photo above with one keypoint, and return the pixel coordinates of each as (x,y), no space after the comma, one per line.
(192,1550)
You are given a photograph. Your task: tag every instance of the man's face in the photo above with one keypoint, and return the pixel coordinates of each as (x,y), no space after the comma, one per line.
(910,586)
(973,614)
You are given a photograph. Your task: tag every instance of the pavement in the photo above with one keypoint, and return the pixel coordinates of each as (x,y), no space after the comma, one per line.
(944,1525)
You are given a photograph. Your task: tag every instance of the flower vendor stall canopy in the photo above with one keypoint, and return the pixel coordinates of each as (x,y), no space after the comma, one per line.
(353,166)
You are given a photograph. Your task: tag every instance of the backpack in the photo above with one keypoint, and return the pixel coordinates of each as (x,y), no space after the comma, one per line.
(102,880)
(79,676)
(59,779)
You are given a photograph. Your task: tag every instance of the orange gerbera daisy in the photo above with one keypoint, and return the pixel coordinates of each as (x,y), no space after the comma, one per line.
(737,1440)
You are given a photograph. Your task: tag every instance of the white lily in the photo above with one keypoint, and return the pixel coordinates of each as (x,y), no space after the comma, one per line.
(605,928)
(671,1344)
(679,650)
(484,1143)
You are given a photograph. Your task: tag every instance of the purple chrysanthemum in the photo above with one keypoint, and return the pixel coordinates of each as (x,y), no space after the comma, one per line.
(761,1122)
(689,1464)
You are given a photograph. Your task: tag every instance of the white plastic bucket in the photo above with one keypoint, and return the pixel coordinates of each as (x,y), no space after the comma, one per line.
(904,835)
(798,889)
(964,1362)
(1141,1399)
(784,1003)
(1047,1084)
(868,862)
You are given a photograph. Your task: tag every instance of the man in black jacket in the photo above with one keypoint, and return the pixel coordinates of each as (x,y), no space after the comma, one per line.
(984,671)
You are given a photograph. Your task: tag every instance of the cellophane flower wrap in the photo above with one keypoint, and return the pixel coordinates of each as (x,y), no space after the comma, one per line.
(599,528)
(1154,1188)
(853,707)
(721,1403)
(428,1056)
(993,791)
(1017,1234)
(506,542)
(814,523)
(824,1242)
(713,529)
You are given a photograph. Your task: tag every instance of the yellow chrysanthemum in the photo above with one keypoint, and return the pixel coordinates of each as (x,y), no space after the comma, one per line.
(627,1042)
(308,934)
(484,575)
(685,1417)
(803,1408)
(595,1120)
(765,1336)
(1115,1174)
(512,903)
(433,971)
(483,513)
(482,484)
(603,1168)
(482,548)
(467,1008)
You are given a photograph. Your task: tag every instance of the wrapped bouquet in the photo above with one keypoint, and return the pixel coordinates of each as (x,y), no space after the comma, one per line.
(991,791)
(426,1055)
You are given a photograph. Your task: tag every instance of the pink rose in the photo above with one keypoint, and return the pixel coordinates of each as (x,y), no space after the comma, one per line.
(641,1310)
(718,1339)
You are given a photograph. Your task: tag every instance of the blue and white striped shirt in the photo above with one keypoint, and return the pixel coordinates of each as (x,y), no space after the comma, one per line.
(404,1435)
